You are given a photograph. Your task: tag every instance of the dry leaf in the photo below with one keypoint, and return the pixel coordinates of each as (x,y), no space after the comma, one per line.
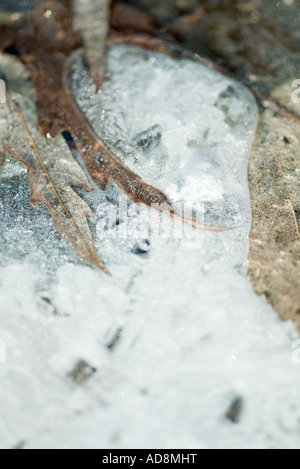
(52,172)
(275,239)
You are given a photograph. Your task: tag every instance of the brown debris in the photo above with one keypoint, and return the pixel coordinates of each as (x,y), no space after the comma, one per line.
(81,373)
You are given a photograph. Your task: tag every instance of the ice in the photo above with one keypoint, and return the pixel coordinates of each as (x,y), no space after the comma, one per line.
(174,350)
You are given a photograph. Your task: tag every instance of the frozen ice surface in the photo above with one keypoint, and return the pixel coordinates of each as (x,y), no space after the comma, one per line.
(174,350)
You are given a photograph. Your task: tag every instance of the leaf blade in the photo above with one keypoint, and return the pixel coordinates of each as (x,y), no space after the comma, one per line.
(53,173)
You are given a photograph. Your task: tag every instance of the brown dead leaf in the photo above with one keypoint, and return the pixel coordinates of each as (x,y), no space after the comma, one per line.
(52,172)
(259,41)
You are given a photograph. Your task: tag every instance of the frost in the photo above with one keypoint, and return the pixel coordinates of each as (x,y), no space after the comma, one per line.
(174,350)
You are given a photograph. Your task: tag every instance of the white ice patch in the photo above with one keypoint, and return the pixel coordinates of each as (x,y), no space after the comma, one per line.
(176,335)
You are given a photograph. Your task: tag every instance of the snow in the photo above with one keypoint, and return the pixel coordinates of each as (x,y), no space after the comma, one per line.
(165,346)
